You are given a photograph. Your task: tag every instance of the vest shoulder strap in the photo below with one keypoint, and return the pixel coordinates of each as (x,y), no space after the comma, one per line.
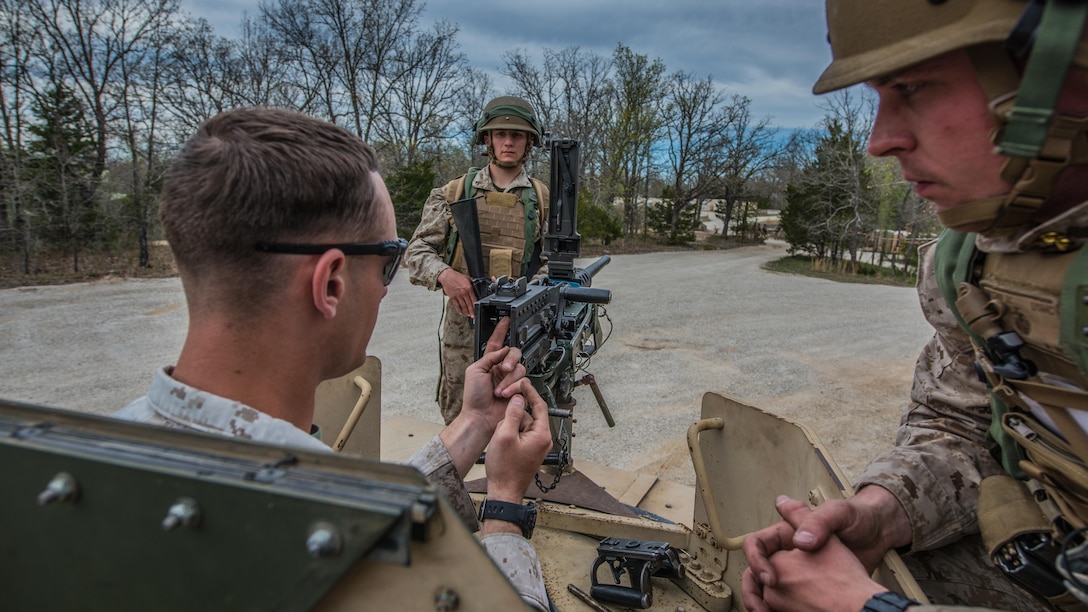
(954,261)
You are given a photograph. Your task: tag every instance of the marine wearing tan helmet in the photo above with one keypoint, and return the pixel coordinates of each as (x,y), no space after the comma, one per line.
(874,38)
(509,113)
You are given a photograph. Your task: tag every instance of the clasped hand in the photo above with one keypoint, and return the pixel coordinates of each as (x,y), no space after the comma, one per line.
(814,559)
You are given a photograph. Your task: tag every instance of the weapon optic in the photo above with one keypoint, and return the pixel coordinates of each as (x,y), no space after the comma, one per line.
(554,320)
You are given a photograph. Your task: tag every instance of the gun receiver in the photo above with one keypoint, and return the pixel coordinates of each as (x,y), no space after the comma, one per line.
(538,314)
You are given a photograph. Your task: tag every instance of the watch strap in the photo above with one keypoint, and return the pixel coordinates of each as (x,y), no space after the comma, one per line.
(524,516)
(888,601)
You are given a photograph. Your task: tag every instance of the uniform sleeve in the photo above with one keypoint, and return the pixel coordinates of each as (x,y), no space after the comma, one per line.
(517,558)
(425,257)
(437,466)
(514,555)
(941,450)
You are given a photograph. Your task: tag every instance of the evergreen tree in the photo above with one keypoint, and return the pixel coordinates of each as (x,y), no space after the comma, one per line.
(62,150)
(409,187)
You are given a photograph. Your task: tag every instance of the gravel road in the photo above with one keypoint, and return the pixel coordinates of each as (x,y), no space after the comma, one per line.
(835,357)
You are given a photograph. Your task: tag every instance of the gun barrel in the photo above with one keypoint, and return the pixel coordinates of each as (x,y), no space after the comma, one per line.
(595,267)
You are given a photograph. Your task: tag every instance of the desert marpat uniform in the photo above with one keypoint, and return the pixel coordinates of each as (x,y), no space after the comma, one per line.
(427,257)
(943,451)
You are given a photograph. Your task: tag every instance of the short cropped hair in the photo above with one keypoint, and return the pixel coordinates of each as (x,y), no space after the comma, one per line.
(264,174)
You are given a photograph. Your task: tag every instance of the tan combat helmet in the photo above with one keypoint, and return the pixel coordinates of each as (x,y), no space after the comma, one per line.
(1021,51)
(509,113)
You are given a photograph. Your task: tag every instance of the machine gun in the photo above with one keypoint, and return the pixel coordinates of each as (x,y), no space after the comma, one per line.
(555,321)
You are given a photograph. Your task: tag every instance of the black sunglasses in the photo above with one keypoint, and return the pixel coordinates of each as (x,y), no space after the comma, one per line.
(388,248)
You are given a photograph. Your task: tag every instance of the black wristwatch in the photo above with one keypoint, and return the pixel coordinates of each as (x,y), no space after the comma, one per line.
(522,516)
(889,601)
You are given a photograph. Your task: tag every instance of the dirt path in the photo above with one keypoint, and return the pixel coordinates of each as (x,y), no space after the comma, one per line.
(835,357)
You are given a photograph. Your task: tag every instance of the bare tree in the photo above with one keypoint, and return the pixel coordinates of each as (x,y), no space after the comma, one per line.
(748,150)
(88,39)
(694,130)
(17,39)
(634,127)
(140,93)
(349,55)
(424,101)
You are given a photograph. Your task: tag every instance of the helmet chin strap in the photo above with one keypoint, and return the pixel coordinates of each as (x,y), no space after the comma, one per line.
(1032,178)
(1038,142)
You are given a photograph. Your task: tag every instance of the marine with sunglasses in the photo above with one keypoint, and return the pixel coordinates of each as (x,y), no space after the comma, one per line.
(285,241)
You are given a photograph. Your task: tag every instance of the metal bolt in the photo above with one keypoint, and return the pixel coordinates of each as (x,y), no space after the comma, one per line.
(184,513)
(446,600)
(323,541)
(422,508)
(62,488)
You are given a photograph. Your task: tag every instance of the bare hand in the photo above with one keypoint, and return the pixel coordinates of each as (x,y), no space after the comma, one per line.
(520,443)
(493,379)
(458,288)
(869,523)
(831,578)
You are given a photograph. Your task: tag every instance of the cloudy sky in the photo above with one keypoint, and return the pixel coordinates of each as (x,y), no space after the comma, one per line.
(768,50)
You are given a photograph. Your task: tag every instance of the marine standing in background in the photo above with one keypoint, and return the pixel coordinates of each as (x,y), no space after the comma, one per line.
(512,210)
(984,103)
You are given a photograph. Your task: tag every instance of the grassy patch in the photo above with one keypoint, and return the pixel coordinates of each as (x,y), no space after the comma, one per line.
(859,273)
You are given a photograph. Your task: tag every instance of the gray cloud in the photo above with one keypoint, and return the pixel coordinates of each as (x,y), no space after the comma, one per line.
(768,50)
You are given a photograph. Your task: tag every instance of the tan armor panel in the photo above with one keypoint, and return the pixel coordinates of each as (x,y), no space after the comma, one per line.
(502,226)
(1027,287)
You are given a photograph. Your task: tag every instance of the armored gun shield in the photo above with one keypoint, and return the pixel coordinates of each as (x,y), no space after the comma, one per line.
(114,515)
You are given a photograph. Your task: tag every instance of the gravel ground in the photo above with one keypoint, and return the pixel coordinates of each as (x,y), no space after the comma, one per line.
(835,357)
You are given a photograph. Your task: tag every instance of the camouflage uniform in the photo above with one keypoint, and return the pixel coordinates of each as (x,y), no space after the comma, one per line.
(426,259)
(942,447)
(172,404)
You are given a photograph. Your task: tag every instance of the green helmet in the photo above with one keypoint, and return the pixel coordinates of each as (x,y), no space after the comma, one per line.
(875,38)
(509,113)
